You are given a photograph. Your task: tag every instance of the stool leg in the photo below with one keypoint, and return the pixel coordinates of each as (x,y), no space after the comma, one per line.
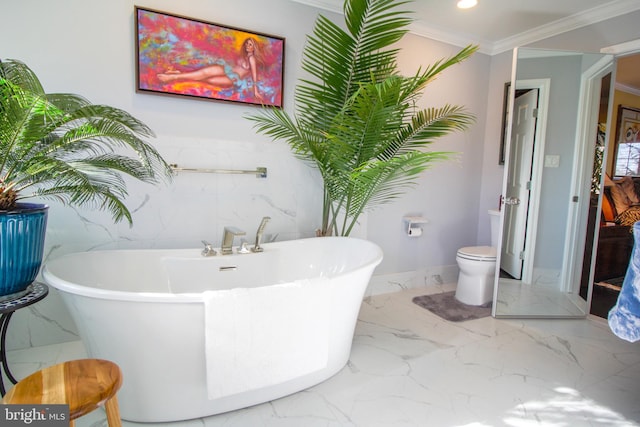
(72,423)
(113,412)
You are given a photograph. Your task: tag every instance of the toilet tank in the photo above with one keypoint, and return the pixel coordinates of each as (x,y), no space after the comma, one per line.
(494,217)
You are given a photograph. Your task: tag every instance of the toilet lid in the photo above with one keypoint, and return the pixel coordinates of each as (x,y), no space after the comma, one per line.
(479,253)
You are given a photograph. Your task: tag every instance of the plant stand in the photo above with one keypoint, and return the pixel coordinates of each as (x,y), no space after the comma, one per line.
(35,292)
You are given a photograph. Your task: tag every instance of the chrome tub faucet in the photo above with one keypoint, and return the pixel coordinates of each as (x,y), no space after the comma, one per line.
(227,239)
(259,233)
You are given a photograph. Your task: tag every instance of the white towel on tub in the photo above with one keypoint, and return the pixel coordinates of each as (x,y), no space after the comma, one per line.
(259,337)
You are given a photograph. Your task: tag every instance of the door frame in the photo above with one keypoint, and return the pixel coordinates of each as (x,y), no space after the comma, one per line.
(573,235)
(619,50)
(586,134)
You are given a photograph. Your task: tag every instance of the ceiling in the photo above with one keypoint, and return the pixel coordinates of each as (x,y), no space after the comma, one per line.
(627,73)
(501,25)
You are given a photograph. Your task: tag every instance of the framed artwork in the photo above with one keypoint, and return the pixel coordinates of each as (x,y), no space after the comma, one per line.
(183,56)
(627,142)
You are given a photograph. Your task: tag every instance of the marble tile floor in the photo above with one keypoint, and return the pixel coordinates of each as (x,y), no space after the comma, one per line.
(518,298)
(409,367)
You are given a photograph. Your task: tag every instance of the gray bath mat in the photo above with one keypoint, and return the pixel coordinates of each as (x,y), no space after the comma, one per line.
(449,308)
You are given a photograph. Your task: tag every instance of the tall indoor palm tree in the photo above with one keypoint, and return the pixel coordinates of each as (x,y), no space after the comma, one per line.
(356,118)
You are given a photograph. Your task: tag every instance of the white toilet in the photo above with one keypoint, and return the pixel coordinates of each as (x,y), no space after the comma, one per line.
(477,266)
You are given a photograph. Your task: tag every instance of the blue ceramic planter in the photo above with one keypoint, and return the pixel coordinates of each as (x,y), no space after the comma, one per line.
(22,232)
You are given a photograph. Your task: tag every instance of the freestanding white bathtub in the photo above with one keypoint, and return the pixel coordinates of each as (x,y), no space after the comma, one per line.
(196,336)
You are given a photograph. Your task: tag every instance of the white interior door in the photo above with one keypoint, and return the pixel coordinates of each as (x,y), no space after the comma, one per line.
(516,199)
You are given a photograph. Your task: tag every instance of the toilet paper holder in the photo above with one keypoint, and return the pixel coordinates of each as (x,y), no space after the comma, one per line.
(413,225)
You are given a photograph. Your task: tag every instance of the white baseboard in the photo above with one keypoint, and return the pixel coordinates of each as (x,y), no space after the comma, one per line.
(395,282)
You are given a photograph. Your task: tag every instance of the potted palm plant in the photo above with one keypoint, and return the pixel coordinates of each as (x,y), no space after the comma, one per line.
(356,118)
(60,146)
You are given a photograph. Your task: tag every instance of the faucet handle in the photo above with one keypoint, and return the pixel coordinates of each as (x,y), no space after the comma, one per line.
(243,249)
(208,249)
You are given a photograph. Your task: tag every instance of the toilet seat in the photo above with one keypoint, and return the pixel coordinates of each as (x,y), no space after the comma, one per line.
(478,253)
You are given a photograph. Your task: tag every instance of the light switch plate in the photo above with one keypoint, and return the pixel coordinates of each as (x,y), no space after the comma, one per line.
(551,161)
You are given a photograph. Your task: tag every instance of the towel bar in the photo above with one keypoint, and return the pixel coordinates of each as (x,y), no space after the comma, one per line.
(259,172)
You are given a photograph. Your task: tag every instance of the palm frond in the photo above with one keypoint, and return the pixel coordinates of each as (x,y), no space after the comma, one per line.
(20,75)
(60,145)
(340,59)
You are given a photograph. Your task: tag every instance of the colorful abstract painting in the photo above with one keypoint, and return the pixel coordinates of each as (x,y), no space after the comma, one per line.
(184,56)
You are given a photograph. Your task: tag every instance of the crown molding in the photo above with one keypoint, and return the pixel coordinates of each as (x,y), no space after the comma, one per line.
(573,22)
(627,89)
(331,6)
(629,47)
(460,39)
(417,28)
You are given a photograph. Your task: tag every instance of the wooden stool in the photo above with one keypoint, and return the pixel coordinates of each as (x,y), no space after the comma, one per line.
(82,384)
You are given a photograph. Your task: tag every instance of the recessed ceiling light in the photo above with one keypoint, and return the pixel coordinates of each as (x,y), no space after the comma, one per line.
(466,4)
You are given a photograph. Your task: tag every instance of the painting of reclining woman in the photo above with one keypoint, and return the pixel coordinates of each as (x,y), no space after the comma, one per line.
(183,56)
